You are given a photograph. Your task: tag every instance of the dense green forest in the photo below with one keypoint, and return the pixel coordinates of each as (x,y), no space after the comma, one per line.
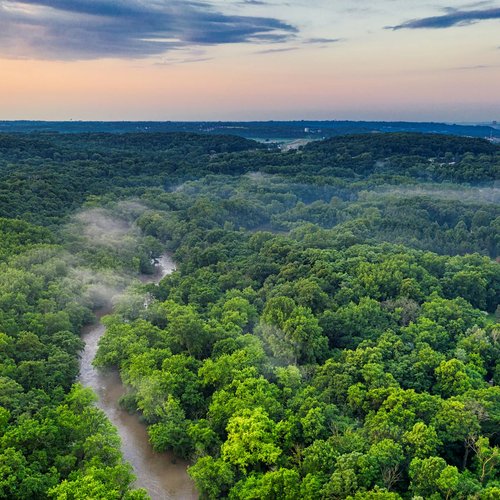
(331,330)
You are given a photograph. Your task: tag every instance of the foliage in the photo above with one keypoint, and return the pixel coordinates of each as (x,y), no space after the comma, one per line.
(329,331)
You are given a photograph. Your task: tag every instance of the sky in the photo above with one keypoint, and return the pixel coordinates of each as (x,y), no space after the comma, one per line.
(161,60)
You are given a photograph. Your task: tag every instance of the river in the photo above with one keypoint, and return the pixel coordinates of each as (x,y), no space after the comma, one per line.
(161,474)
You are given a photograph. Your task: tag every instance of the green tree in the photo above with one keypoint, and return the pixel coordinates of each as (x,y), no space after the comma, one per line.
(171,433)
(213,477)
(250,440)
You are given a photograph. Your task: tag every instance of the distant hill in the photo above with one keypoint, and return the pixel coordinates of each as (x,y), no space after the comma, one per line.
(270,130)
(408,144)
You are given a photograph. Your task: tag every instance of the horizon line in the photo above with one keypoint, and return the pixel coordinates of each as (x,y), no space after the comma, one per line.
(293,120)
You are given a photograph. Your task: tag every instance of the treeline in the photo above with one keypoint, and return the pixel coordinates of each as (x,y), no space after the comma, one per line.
(45,176)
(330,332)
(270,130)
(54,443)
(405,144)
(446,219)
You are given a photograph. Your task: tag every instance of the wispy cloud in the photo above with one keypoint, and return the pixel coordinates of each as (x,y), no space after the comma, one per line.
(476,67)
(322,41)
(184,60)
(88,29)
(451,18)
(274,51)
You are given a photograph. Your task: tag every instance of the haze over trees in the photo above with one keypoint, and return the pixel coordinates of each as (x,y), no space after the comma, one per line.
(269,130)
(331,331)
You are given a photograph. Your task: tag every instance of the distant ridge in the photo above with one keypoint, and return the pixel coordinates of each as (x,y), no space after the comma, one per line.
(268,130)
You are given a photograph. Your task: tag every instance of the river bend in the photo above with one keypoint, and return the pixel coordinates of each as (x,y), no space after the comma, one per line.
(161,474)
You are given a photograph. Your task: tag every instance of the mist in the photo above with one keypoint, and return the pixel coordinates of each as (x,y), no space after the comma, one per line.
(103,252)
(462,194)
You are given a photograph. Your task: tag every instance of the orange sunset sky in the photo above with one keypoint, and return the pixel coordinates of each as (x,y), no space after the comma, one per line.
(246,60)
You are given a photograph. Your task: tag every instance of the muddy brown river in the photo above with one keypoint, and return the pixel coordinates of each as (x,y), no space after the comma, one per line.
(163,476)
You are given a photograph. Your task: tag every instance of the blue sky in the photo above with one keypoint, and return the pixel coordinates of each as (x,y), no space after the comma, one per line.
(318,58)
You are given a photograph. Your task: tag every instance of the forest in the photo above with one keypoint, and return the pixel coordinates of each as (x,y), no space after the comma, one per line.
(262,130)
(331,331)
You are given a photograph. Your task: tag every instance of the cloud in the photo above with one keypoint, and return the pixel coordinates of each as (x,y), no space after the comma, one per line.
(476,67)
(184,60)
(321,43)
(274,51)
(451,18)
(90,29)
(313,41)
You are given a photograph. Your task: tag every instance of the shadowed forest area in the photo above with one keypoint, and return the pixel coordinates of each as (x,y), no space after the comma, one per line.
(331,330)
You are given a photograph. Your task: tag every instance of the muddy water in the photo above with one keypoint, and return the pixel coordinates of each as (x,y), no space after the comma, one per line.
(163,476)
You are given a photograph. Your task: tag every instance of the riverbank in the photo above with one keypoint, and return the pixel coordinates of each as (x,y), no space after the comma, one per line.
(161,474)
